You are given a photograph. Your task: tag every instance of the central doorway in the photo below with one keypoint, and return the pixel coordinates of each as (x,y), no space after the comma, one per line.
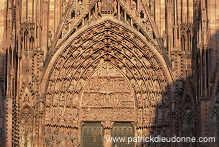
(93,134)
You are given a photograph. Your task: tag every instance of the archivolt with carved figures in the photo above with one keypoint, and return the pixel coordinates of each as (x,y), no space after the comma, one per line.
(106,73)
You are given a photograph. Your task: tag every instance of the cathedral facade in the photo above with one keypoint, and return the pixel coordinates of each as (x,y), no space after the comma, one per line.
(77,72)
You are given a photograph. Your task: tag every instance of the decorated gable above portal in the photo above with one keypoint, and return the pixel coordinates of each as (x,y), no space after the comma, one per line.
(130,13)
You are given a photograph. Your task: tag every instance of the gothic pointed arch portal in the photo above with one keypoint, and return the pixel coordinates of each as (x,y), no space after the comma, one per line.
(105,73)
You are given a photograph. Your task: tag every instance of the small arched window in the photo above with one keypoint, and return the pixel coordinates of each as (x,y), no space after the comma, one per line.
(26,39)
(142,14)
(31,39)
(183,43)
(31,42)
(72,14)
(189,38)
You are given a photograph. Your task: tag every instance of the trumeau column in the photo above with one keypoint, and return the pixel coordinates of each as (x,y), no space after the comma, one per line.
(107,125)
